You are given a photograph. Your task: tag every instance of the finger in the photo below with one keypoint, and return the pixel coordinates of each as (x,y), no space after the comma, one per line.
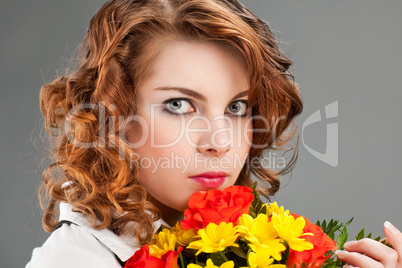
(356,259)
(373,249)
(394,237)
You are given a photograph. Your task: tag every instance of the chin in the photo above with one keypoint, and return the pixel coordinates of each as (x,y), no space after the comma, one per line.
(182,208)
(177,206)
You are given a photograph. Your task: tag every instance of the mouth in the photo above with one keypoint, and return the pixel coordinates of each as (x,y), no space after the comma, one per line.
(210,179)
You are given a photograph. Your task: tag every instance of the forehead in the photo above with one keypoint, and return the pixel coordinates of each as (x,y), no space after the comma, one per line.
(199,65)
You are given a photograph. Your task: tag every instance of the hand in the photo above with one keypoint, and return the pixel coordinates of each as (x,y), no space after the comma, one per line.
(370,253)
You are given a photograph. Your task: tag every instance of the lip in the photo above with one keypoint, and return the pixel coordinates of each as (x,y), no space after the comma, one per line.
(210,179)
(211,174)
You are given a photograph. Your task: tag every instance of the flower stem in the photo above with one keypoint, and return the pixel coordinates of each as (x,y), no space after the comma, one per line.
(181,260)
(223,256)
(285,258)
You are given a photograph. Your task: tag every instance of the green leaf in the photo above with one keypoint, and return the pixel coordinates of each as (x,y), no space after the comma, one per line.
(257,205)
(217,258)
(332,227)
(342,237)
(239,252)
(378,238)
(387,244)
(360,235)
(264,210)
(347,223)
(254,185)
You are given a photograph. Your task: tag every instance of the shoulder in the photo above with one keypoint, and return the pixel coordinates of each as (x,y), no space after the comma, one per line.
(72,246)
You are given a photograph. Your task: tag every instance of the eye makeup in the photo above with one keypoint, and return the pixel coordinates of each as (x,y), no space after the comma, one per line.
(179,103)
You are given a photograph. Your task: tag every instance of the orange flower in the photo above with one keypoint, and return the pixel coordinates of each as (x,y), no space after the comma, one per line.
(314,258)
(217,206)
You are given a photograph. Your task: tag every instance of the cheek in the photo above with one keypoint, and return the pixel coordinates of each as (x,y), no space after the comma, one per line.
(247,140)
(250,133)
(166,132)
(247,135)
(163,130)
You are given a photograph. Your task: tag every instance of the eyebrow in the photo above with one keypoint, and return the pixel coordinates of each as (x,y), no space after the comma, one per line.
(197,95)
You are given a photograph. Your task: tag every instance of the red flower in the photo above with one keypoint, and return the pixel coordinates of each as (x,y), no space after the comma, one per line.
(142,259)
(314,258)
(217,206)
(170,258)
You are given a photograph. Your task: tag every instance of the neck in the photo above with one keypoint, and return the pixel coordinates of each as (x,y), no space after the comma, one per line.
(169,215)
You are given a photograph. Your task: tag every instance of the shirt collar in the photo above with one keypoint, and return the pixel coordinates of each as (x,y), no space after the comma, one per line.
(124,246)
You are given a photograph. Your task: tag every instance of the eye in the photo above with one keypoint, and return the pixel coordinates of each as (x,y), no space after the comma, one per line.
(238,108)
(179,106)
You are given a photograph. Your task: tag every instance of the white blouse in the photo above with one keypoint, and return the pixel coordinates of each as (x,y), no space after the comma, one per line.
(78,245)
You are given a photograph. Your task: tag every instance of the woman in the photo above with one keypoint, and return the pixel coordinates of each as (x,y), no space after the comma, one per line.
(165,91)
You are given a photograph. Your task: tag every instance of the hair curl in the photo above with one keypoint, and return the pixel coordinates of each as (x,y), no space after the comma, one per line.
(124,39)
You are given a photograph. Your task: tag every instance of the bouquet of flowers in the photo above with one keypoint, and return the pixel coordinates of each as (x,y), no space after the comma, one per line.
(233,228)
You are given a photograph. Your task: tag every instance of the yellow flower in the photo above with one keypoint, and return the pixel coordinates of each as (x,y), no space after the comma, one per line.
(261,234)
(273,207)
(290,230)
(162,243)
(215,238)
(210,264)
(261,259)
(184,237)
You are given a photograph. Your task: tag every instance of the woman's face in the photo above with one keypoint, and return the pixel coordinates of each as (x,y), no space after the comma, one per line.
(192,118)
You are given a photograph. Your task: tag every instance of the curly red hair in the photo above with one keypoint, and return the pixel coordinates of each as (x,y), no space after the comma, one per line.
(123,41)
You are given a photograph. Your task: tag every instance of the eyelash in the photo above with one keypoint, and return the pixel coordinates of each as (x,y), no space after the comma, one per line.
(165,103)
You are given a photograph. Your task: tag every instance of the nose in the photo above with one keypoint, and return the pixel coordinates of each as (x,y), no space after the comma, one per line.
(217,141)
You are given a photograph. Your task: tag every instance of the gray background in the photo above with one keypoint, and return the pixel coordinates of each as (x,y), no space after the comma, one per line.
(345,51)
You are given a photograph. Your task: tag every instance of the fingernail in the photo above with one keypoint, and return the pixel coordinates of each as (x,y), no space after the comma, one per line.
(390,228)
(340,253)
(348,244)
